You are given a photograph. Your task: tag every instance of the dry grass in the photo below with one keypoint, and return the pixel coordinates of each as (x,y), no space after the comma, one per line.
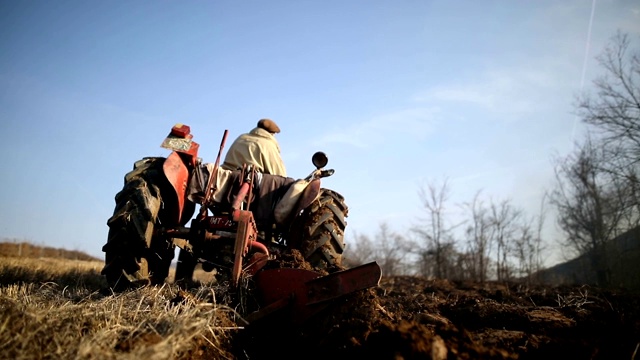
(573,299)
(66,273)
(62,309)
(25,249)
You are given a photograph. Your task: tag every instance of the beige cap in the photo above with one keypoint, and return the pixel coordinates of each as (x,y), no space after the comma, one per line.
(269,125)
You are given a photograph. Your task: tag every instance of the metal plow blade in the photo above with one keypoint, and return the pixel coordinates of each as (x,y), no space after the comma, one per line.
(298,294)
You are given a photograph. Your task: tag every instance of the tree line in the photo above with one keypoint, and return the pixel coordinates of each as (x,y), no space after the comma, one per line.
(496,240)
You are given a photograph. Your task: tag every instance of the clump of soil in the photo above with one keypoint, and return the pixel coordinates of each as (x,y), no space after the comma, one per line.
(290,259)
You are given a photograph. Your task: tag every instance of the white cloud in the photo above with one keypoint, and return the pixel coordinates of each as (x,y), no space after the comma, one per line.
(503,91)
(415,123)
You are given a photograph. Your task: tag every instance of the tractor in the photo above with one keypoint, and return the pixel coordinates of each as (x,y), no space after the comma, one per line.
(245,224)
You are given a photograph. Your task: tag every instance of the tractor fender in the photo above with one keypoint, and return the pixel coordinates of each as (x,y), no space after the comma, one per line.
(176,171)
(289,200)
(310,194)
(299,195)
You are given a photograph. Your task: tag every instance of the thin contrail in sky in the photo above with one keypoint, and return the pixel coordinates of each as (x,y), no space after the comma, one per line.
(584,64)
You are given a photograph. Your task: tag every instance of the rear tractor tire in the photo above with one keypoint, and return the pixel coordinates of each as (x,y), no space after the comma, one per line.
(133,255)
(322,231)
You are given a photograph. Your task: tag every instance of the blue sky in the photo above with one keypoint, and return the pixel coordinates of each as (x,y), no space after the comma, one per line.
(397,93)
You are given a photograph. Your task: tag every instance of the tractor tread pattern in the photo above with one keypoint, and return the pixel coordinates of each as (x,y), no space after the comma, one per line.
(131,257)
(322,243)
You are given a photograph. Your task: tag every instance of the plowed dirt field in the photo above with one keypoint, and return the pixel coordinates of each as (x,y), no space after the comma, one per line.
(415,318)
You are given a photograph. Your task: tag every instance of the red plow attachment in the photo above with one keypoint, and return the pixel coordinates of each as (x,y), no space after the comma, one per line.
(298,294)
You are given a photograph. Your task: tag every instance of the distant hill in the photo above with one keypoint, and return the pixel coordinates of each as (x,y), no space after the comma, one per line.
(25,249)
(623,259)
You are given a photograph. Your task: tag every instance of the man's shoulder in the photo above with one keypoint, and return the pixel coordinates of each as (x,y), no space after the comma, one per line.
(261,133)
(252,141)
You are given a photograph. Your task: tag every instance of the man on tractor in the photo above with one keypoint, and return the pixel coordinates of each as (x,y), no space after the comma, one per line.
(243,214)
(258,147)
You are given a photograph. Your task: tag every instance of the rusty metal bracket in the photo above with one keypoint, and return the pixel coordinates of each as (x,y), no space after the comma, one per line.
(247,233)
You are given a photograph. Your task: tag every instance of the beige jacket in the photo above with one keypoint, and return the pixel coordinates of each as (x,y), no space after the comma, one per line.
(258,147)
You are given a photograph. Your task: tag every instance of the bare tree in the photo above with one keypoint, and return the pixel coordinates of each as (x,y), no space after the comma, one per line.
(537,247)
(388,248)
(523,250)
(615,110)
(359,251)
(590,205)
(393,251)
(434,249)
(614,114)
(478,239)
(463,265)
(503,220)
(528,245)
(597,193)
